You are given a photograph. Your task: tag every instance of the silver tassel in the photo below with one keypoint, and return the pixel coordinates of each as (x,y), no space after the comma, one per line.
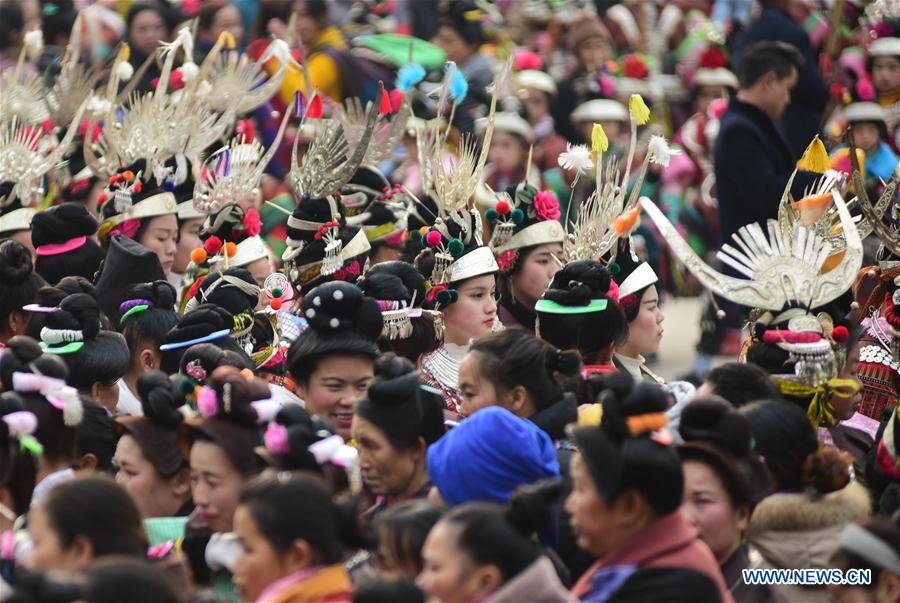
(442,262)
(503,232)
(333,260)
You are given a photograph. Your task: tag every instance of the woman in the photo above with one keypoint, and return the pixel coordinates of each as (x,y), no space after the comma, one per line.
(393,427)
(410,330)
(639,300)
(213,19)
(291,542)
(220,445)
(487,457)
(537,90)
(482,552)
(722,483)
(18,287)
(508,157)
(149,463)
(189,223)
(146,316)
(527,240)
(627,487)
(580,311)
(401,532)
(147,24)
(872,546)
(139,208)
(63,237)
(813,500)
(96,358)
(81,521)
(205,324)
(332,361)
(18,457)
(235,291)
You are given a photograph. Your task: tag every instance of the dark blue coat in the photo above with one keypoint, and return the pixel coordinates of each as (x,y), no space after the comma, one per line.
(803,116)
(753,163)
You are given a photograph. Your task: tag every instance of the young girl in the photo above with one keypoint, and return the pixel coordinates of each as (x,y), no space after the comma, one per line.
(639,299)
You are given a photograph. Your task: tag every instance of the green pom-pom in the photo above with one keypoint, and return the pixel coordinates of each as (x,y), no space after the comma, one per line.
(185,386)
(614,268)
(443,297)
(517,216)
(277,292)
(415,235)
(454,296)
(491,215)
(456,248)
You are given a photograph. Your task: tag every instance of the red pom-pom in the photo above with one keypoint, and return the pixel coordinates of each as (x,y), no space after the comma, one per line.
(713,58)
(213,245)
(101,198)
(503,208)
(433,238)
(252,222)
(385,108)
(113,180)
(526,59)
(396,99)
(138,187)
(155,83)
(47,126)
(634,67)
(275,304)
(176,80)
(314,108)
(840,334)
(246,128)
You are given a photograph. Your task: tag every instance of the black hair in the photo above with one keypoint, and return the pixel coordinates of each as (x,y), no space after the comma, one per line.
(17,466)
(57,19)
(58,225)
(762,57)
(455,18)
(295,507)
(316,9)
(516,357)
(394,404)
(203,320)
(228,296)
(619,459)
(741,383)
(210,357)
(12,23)
(577,284)
(303,429)
(884,530)
(268,10)
(97,435)
(113,578)
(382,590)
(168,15)
(24,355)
(100,510)
(51,297)
(149,327)
(493,535)
(784,436)
(404,528)
(19,283)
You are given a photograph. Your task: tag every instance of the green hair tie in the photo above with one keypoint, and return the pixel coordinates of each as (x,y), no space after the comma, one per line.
(31,444)
(69,348)
(135,310)
(551,307)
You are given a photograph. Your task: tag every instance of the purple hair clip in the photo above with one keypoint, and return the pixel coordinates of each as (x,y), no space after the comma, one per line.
(128,304)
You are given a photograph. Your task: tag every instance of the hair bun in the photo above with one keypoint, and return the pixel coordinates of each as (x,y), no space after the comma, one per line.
(160,398)
(566,362)
(533,506)
(396,381)
(394,280)
(827,470)
(234,394)
(203,320)
(578,283)
(227,295)
(61,223)
(78,312)
(15,263)
(624,398)
(715,421)
(161,293)
(76,284)
(339,306)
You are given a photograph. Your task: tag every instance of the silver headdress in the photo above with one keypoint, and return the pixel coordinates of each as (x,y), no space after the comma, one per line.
(888,234)
(22,92)
(242,85)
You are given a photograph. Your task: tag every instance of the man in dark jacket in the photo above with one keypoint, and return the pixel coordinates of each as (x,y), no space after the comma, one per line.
(802,119)
(753,160)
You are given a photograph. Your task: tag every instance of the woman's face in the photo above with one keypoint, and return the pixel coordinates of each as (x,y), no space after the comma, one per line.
(507,153)
(846,400)
(448,574)
(708,508)
(533,276)
(260,271)
(48,554)
(307,27)
(707,94)
(216,485)
(161,237)
(189,240)
(147,30)
(866,137)
(591,518)
(645,332)
(258,565)
(227,19)
(593,53)
(389,563)
(453,45)
(386,470)
(477,391)
(537,106)
(155,495)
(474,312)
(886,73)
(335,386)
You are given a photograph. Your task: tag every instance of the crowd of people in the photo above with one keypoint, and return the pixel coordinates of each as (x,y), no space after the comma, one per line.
(332,301)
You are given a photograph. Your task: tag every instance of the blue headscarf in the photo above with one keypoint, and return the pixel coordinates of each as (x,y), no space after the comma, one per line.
(489,456)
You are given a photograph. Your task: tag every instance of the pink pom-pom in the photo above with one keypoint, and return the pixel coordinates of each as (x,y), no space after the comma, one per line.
(525,59)
(21,423)
(865,90)
(433,238)
(252,222)
(276,438)
(206,402)
(613,292)
(266,409)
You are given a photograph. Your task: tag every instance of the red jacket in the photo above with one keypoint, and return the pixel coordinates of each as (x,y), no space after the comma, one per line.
(667,542)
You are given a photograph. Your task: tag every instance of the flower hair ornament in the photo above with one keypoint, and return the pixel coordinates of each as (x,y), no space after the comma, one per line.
(530,218)
(61,396)
(21,425)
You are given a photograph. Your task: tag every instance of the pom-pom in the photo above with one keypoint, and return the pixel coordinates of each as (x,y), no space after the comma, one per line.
(459,86)
(128,175)
(101,198)
(599,141)
(189,72)
(314,109)
(840,334)
(454,295)
(198,256)
(415,235)
(138,187)
(517,216)
(230,249)
(815,158)
(396,97)
(634,67)
(168,186)
(614,268)
(409,75)
(277,292)
(713,58)
(503,208)
(385,106)
(638,109)
(443,297)
(213,245)
(865,90)
(456,248)
(491,214)
(433,238)
(252,222)
(720,314)
(275,304)
(176,80)
(124,71)
(206,402)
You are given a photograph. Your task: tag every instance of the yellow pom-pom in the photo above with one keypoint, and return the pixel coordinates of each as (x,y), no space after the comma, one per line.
(227,40)
(230,249)
(638,109)
(124,52)
(198,255)
(590,414)
(247,373)
(815,158)
(424,230)
(599,141)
